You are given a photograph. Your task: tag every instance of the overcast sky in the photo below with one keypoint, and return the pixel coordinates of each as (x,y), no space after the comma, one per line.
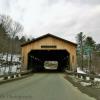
(64,18)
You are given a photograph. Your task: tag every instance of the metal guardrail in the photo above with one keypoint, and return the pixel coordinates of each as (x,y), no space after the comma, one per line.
(84,76)
(13,75)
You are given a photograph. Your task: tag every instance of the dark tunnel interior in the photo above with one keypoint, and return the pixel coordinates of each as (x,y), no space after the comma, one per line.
(36,59)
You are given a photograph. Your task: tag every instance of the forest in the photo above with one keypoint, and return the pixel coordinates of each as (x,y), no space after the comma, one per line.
(9,39)
(88,54)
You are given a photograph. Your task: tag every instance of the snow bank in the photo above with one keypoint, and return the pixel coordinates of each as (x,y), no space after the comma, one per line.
(80,71)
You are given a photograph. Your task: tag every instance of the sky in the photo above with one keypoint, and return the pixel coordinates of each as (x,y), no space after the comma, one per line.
(63,18)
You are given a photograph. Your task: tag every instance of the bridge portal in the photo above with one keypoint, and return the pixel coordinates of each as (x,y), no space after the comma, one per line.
(48,48)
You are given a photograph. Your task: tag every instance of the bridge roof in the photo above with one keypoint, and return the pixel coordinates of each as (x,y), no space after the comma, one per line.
(48,35)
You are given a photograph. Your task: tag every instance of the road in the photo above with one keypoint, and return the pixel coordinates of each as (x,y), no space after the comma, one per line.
(42,86)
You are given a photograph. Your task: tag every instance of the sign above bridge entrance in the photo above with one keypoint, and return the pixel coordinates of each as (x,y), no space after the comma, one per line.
(48,46)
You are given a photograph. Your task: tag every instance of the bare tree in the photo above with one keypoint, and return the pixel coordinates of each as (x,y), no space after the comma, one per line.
(12,28)
(80,40)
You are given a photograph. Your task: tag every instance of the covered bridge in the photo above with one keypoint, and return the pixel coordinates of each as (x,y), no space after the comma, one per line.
(48,48)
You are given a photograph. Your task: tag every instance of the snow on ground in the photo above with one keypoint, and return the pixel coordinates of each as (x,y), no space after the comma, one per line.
(16,58)
(97,79)
(80,71)
(13,69)
(47,67)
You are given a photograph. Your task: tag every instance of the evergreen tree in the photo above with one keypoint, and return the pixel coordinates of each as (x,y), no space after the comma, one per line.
(22,40)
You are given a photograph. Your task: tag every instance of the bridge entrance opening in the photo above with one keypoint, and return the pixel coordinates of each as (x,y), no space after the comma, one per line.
(38,58)
(51,65)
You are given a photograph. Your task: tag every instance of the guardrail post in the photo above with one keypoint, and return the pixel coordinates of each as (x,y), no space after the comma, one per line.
(14,76)
(19,75)
(81,77)
(87,78)
(8,77)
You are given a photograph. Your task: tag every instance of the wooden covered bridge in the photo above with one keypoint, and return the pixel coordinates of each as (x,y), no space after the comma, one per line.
(48,48)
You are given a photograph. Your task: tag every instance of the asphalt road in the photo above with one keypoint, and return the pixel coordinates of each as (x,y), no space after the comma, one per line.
(41,87)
